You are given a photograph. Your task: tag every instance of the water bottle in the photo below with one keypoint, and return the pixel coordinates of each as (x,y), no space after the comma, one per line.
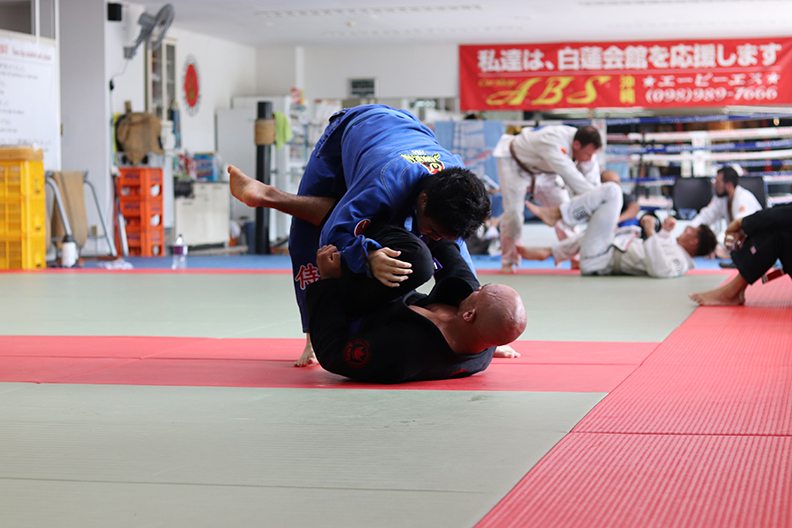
(68,252)
(179,254)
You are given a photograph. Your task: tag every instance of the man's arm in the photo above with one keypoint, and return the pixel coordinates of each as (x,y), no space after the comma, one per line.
(372,198)
(561,164)
(663,256)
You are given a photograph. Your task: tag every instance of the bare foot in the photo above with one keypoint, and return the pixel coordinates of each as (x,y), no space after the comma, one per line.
(508,269)
(308,358)
(548,215)
(730,294)
(574,263)
(505,351)
(718,298)
(531,253)
(252,193)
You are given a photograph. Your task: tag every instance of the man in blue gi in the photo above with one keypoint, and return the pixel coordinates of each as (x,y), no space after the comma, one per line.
(373,163)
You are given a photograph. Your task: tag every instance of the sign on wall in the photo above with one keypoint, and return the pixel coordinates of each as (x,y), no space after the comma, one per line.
(29,95)
(191,85)
(626,74)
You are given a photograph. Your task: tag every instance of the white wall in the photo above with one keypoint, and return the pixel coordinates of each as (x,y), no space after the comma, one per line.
(84,107)
(225,70)
(323,71)
(400,71)
(129,79)
(278,69)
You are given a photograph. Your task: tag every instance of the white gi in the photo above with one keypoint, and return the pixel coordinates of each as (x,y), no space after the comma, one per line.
(744,203)
(604,250)
(548,153)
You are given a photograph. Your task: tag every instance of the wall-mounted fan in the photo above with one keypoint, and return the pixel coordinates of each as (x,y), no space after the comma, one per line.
(152,30)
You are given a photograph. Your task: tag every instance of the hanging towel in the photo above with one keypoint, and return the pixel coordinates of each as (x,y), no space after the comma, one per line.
(283,132)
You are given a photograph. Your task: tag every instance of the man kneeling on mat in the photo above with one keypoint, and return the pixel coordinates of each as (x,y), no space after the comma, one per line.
(756,242)
(604,250)
(364,331)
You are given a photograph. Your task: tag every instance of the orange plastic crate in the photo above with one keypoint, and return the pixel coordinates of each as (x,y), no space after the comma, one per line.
(23,252)
(141,210)
(148,242)
(139,182)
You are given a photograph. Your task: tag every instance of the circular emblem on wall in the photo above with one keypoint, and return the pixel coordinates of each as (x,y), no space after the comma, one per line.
(357,353)
(192,85)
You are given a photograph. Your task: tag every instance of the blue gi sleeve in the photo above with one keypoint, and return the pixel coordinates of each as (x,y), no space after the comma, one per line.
(378,197)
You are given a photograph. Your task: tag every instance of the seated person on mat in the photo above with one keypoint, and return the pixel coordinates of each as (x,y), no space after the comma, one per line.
(604,250)
(358,332)
(756,242)
(731,201)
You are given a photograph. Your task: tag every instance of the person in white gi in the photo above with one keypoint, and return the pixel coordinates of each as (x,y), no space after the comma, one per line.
(605,250)
(549,161)
(729,203)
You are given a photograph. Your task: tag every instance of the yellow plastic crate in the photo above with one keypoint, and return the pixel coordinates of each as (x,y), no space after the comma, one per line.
(23,216)
(23,252)
(21,173)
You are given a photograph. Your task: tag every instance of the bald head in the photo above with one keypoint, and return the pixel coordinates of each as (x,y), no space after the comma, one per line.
(496,315)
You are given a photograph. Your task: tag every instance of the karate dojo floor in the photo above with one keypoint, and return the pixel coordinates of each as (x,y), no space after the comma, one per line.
(153,398)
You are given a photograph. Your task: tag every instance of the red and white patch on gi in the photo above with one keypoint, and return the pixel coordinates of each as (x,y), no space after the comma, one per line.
(361,227)
(357,353)
(306,275)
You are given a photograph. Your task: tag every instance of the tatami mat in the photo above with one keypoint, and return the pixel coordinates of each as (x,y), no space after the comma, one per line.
(97,456)
(136,415)
(699,435)
(557,366)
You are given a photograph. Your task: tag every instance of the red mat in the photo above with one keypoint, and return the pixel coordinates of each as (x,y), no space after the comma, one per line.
(648,481)
(150,271)
(699,435)
(544,366)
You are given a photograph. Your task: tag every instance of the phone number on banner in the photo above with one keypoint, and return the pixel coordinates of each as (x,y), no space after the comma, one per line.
(695,95)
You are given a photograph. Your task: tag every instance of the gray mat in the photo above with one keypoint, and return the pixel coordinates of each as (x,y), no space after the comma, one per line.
(87,455)
(562,308)
(575,308)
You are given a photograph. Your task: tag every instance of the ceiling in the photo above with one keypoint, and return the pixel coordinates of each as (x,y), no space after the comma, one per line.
(408,22)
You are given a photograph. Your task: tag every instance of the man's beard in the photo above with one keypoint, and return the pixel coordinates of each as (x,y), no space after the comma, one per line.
(721,194)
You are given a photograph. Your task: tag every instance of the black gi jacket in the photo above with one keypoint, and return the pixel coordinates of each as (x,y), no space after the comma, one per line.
(393,344)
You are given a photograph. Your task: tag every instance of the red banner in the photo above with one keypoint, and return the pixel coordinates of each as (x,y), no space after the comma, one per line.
(626,74)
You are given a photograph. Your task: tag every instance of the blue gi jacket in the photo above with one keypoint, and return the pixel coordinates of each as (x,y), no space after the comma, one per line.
(385,155)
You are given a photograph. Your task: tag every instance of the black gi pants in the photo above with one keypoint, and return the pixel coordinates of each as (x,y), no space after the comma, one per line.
(764,245)
(363,294)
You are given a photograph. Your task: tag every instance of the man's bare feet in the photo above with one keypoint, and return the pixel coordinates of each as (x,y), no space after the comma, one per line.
(308,358)
(505,351)
(730,294)
(508,269)
(532,253)
(252,193)
(548,215)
